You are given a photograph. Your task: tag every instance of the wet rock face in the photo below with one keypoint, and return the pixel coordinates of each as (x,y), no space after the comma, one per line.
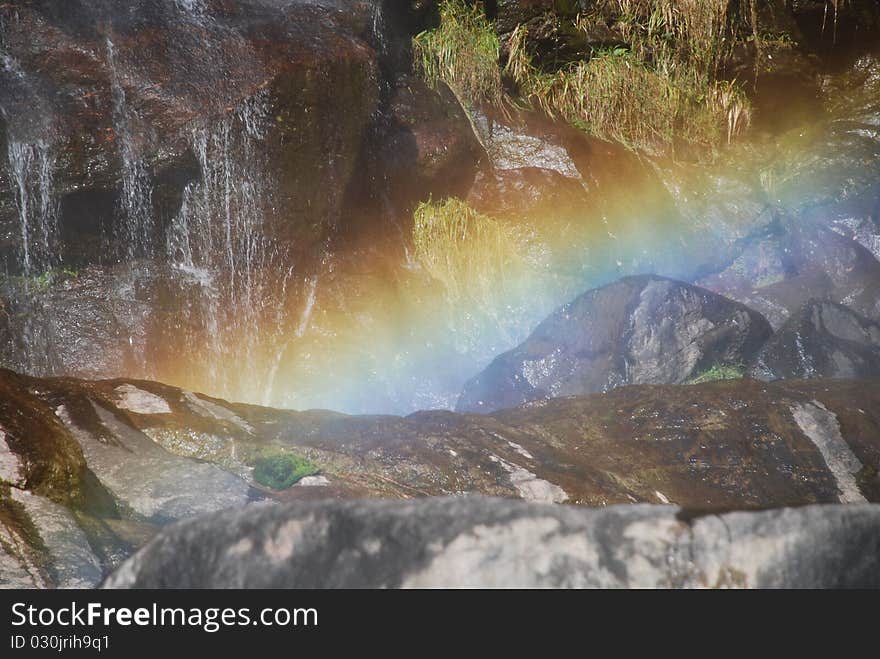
(638,330)
(80,486)
(429,148)
(477,542)
(165,161)
(820,236)
(824,340)
(531,192)
(102,90)
(84,323)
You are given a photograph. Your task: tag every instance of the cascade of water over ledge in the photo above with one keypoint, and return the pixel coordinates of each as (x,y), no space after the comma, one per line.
(32,168)
(206,278)
(135,206)
(237,280)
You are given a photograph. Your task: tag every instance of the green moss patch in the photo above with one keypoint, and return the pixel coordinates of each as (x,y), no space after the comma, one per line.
(281,470)
(719,372)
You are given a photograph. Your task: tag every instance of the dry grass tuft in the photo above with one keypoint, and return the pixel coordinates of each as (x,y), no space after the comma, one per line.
(661,92)
(463,52)
(469,253)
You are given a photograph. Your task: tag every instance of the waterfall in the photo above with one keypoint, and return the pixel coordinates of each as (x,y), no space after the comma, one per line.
(281,345)
(201,296)
(135,201)
(218,240)
(31,168)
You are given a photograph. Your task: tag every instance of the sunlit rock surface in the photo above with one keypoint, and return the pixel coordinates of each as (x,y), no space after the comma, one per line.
(93,469)
(478,542)
(640,330)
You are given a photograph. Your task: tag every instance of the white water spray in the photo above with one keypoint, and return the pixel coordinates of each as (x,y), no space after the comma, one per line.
(31,167)
(219,239)
(135,203)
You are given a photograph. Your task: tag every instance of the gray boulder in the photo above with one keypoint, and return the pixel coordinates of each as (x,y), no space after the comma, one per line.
(638,330)
(825,340)
(478,542)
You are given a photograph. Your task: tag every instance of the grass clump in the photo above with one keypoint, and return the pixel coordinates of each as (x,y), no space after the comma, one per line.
(41,282)
(719,372)
(468,252)
(281,470)
(463,52)
(663,90)
(659,92)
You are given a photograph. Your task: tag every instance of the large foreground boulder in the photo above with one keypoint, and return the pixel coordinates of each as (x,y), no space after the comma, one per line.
(477,542)
(822,340)
(638,330)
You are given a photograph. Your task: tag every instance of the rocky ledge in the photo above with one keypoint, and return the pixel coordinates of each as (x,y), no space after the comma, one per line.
(89,471)
(479,542)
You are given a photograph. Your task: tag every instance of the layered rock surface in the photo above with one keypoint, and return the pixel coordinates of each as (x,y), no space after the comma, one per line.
(111,461)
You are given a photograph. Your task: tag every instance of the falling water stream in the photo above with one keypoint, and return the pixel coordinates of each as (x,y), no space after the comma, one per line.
(135,205)
(232,280)
(32,168)
(218,242)
(31,162)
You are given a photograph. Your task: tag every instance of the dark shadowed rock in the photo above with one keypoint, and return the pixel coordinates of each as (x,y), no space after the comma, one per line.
(639,330)
(844,24)
(822,340)
(430,147)
(477,542)
(552,37)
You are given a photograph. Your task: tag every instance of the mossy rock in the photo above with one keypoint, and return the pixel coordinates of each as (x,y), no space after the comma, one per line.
(719,372)
(281,470)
